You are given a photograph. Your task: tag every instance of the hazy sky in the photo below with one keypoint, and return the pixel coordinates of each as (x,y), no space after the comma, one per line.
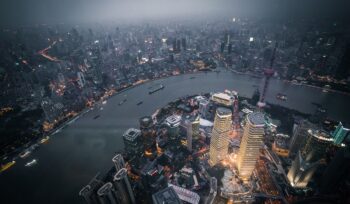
(55,11)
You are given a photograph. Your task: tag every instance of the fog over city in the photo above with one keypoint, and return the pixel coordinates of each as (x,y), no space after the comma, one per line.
(19,12)
(174,101)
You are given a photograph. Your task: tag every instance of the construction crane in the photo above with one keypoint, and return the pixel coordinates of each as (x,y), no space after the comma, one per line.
(269,72)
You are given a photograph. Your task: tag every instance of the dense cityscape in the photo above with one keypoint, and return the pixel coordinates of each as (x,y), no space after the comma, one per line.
(218,144)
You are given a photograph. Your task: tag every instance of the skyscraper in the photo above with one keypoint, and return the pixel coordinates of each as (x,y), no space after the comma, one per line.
(251,143)
(122,185)
(340,134)
(309,158)
(220,138)
(299,136)
(106,194)
(118,161)
(173,123)
(132,141)
(147,132)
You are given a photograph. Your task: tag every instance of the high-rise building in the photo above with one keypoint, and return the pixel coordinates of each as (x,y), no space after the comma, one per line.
(89,192)
(122,185)
(299,136)
(213,190)
(173,123)
(81,79)
(132,141)
(223,99)
(106,194)
(147,132)
(167,195)
(220,139)
(184,44)
(340,134)
(301,172)
(309,158)
(316,145)
(203,107)
(251,143)
(118,161)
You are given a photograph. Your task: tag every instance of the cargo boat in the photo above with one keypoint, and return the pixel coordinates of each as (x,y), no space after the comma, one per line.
(282,97)
(31,163)
(44,140)
(155,89)
(121,102)
(6,166)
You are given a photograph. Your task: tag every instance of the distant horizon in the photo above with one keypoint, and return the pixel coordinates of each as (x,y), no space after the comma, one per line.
(51,12)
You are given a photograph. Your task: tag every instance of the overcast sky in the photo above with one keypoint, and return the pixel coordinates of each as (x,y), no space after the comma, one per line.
(57,11)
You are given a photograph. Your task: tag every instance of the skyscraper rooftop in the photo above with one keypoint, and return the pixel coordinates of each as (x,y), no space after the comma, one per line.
(257,118)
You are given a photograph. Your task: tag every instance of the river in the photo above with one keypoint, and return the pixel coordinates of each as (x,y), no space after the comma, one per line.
(73,156)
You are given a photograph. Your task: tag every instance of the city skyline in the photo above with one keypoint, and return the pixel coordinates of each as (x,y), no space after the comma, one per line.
(162,101)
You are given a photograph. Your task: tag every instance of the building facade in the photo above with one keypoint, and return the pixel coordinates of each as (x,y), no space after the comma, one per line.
(220,135)
(251,143)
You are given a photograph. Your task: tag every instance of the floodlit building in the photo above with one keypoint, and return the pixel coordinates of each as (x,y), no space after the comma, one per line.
(220,139)
(309,158)
(223,99)
(340,134)
(251,143)
(192,131)
(299,136)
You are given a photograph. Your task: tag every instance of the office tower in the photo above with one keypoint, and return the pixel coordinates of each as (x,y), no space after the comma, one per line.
(118,161)
(88,192)
(174,45)
(173,123)
(203,107)
(106,194)
(147,132)
(213,190)
(81,79)
(301,172)
(223,99)
(229,48)
(132,141)
(178,45)
(167,195)
(336,171)
(122,185)
(316,145)
(222,47)
(340,133)
(251,143)
(219,137)
(309,158)
(184,44)
(189,134)
(299,136)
